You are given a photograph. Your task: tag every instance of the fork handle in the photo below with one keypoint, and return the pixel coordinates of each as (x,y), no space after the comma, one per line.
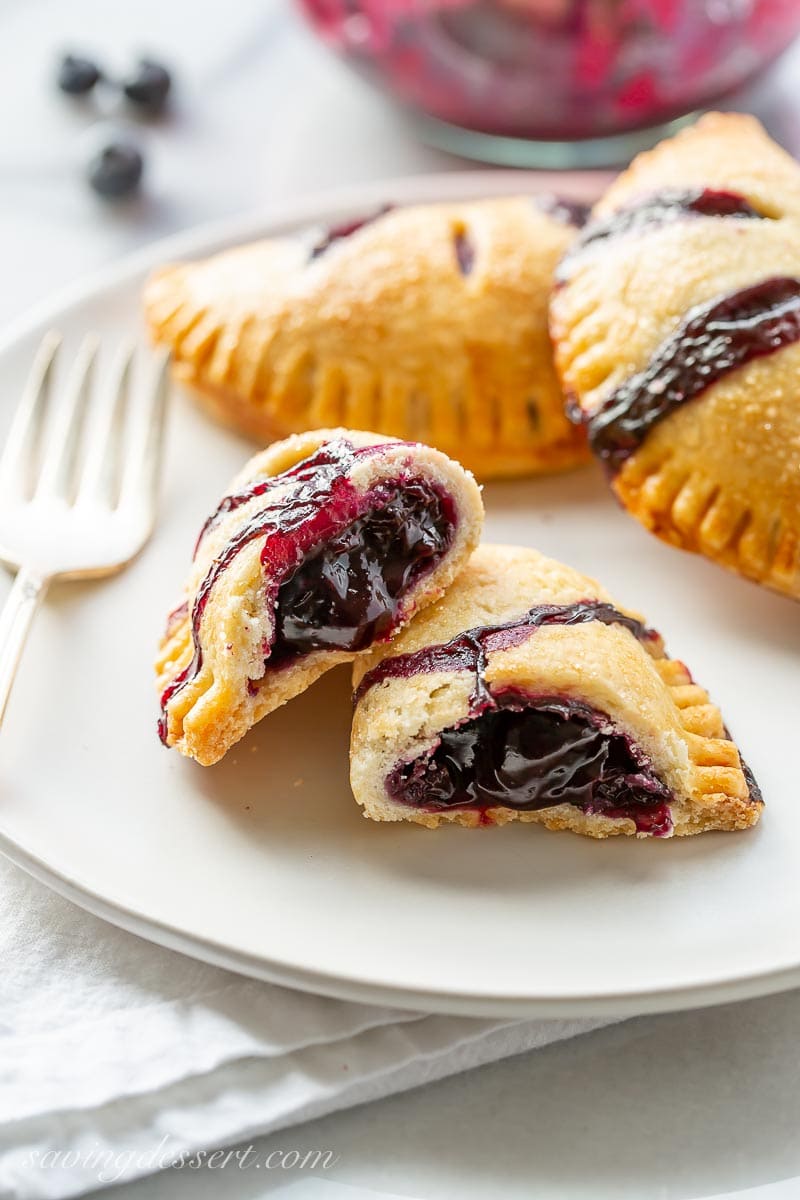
(26,595)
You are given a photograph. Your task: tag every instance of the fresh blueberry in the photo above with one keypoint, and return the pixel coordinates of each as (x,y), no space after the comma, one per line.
(116,170)
(149,86)
(77,76)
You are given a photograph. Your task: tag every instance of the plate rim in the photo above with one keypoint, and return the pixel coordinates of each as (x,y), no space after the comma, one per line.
(268,220)
(307,209)
(347,987)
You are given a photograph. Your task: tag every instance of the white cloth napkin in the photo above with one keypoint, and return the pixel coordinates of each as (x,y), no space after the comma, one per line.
(116,1056)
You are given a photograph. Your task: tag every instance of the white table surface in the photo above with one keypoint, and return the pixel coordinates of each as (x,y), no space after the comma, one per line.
(672,1107)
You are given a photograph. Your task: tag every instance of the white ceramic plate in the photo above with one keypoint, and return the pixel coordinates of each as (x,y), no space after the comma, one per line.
(264,863)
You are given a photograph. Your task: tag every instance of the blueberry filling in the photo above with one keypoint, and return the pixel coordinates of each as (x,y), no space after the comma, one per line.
(713,340)
(346,594)
(310,533)
(661,208)
(521,752)
(529,753)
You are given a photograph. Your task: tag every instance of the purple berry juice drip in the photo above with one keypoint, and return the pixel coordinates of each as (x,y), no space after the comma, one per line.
(753,787)
(528,753)
(661,208)
(333,458)
(176,618)
(713,340)
(345,229)
(316,506)
(464,251)
(468,651)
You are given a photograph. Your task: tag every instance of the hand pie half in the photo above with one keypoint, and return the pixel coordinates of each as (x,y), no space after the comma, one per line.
(677,331)
(526,694)
(425,323)
(325,546)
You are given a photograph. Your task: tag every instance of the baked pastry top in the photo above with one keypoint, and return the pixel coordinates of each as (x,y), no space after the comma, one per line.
(677,333)
(527,694)
(325,545)
(426,323)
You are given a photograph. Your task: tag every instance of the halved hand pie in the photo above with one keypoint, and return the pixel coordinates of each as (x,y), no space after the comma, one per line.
(326,545)
(677,330)
(526,693)
(427,323)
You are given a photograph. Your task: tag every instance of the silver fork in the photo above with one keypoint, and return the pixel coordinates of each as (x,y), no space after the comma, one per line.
(78,483)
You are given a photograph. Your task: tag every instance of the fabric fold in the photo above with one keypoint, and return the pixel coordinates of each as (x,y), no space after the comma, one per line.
(117,1056)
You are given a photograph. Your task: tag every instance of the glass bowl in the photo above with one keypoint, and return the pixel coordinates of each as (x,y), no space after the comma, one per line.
(555,82)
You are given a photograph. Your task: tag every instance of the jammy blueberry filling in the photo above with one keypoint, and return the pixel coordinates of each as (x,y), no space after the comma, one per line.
(347,592)
(338,561)
(529,753)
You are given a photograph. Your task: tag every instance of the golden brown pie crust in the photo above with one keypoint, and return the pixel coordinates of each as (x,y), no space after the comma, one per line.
(384,331)
(721,474)
(647,695)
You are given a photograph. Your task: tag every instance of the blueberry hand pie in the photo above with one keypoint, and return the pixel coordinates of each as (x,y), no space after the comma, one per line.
(677,331)
(427,323)
(325,546)
(526,693)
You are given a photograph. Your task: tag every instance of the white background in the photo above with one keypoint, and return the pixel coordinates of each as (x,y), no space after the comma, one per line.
(669,1107)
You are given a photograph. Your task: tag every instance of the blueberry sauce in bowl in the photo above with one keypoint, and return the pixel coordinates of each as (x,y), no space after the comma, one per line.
(555,69)
(529,753)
